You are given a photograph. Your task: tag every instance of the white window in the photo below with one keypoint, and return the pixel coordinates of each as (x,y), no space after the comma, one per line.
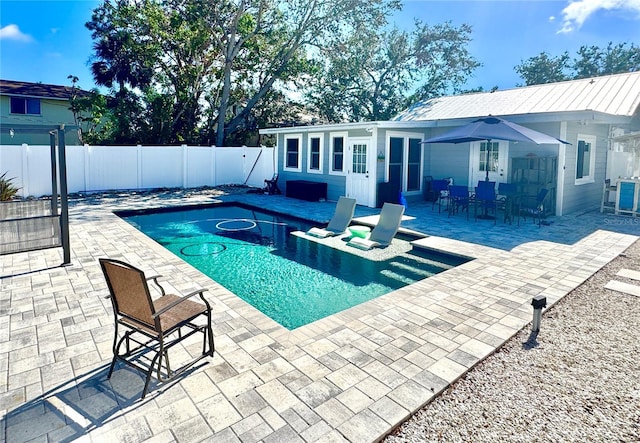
(315,153)
(338,149)
(292,151)
(585,159)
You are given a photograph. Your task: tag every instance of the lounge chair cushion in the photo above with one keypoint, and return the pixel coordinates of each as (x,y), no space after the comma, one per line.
(320,232)
(363,243)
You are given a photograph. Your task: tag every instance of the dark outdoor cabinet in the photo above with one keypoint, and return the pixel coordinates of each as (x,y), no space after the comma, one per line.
(306,190)
(387,193)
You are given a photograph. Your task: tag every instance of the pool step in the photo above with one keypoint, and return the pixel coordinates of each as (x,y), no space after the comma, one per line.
(407,273)
(434,261)
(419,271)
(399,277)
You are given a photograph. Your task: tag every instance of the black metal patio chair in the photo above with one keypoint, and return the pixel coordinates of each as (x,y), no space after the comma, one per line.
(533,205)
(459,199)
(271,186)
(153,326)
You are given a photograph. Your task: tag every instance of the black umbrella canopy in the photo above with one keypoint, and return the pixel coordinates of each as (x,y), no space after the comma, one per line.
(493,128)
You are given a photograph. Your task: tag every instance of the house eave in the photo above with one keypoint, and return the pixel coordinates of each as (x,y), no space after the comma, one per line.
(341,127)
(546,117)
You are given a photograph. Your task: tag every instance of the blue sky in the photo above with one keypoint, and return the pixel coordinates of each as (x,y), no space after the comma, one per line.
(45,41)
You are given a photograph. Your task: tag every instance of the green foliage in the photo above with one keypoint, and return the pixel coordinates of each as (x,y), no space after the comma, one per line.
(591,61)
(91,114)
(544,68)
(372,75)
(614,59)
(195,71)
(8,190)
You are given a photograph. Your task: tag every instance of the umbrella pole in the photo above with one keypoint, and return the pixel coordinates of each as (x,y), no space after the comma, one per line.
(485,215)
(486,165)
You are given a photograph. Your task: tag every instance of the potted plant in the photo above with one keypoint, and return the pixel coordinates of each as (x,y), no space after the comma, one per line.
(8,190)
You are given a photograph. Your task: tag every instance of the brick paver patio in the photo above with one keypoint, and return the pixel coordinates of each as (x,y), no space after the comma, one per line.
(353,376)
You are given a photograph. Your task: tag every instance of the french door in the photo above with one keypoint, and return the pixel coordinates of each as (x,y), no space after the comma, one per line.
(489,157)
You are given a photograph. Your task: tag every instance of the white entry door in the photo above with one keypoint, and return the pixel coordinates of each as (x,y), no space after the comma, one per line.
(497,164)
(359,158)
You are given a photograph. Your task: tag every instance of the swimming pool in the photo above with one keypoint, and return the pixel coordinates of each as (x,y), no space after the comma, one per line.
(291,279)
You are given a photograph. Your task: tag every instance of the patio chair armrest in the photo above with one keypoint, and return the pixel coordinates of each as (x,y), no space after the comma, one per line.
(181,299)
(157,283)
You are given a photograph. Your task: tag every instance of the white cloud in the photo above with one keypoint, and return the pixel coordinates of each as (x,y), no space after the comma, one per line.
(12,32)
(578,11)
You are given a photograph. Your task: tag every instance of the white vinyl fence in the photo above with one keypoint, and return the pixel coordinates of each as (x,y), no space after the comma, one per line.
(102,168)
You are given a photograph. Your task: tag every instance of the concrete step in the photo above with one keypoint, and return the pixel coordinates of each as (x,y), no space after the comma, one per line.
(626,288)
(629,273)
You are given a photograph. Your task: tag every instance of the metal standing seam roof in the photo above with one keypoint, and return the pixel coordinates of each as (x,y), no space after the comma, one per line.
(617,95)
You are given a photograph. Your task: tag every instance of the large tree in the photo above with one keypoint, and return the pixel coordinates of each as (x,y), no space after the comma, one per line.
(375,74)
(544,68)
(206,65)
(591,61)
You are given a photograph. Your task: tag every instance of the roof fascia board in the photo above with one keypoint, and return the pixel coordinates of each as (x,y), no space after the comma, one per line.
(546,117)
(45,97)
(414,124)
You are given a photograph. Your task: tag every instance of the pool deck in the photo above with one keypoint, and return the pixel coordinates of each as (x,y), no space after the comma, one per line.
(353,376)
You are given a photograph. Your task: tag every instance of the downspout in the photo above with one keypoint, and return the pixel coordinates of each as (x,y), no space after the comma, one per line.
(373,170)
(562,148)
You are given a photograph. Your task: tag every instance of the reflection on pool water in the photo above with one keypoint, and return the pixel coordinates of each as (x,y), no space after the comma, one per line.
(292,280)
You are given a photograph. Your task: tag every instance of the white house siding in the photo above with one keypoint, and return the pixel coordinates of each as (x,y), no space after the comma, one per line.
(584,197)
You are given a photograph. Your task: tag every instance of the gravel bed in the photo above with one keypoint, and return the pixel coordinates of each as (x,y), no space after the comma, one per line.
(577,381)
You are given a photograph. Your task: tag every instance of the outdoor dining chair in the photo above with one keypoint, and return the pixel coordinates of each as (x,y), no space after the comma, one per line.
(486,201)
(271,186)
(533,205)
(440,190)
(153,327)
(459,199)
(509,201)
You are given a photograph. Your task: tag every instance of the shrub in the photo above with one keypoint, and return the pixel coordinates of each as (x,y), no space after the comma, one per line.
(7,189)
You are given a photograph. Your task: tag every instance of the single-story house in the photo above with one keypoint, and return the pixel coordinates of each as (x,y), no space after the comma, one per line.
(364,160)
(28,111)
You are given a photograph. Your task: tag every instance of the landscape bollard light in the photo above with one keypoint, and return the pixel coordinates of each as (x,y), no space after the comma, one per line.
(539,302)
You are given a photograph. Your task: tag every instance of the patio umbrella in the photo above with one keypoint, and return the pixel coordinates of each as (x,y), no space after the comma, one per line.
(493,128)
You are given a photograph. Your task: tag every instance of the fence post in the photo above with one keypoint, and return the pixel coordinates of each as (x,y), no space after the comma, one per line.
(139,178)
(24,169)
(87,152)
(185,166)
(214,163)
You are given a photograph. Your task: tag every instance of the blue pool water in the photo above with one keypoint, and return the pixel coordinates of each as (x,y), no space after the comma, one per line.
(292,280)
